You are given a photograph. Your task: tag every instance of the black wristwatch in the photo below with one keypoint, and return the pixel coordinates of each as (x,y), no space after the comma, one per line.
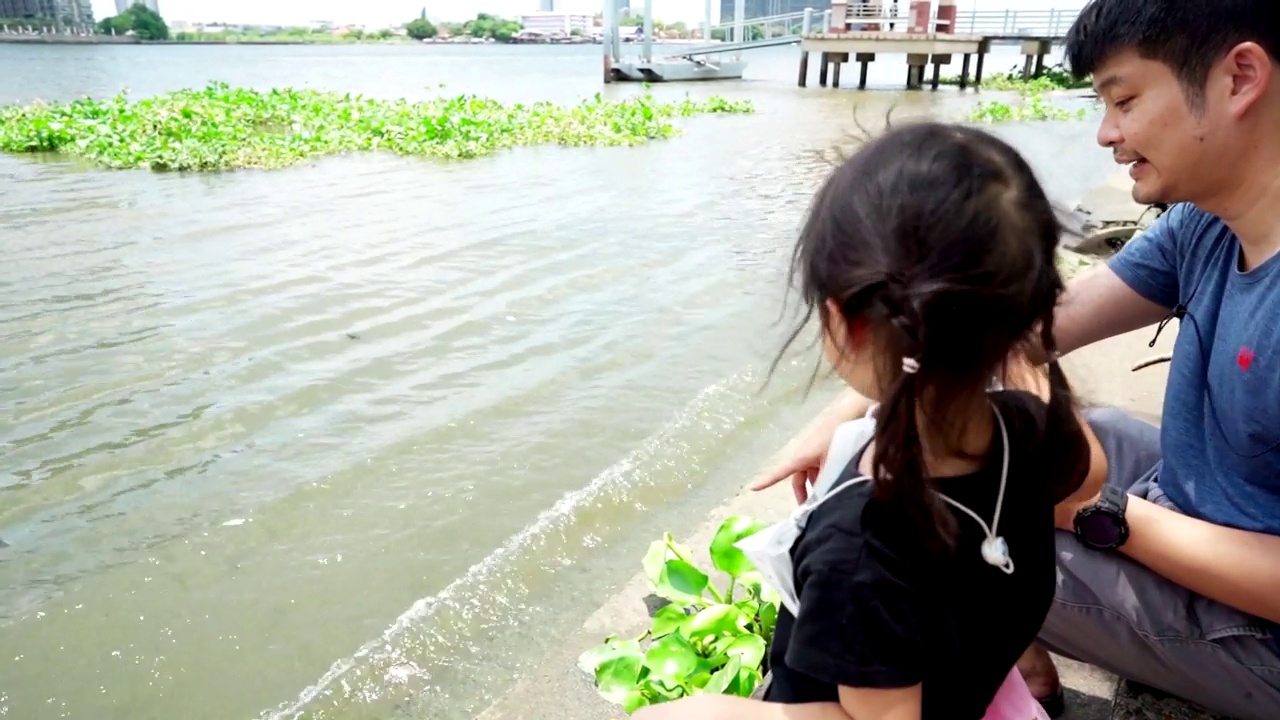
(1102,526)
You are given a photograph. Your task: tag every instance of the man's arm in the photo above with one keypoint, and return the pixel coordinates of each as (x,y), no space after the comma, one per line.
(1098,305)
(1135,289)
(1234,567)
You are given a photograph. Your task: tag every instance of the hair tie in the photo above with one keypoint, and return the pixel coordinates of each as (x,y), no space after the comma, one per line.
(910,366)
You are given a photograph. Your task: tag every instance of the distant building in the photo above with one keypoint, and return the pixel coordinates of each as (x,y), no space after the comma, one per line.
(766,8)
(70,13)
(152,5)
(624,8)
(558,23)
(546,6)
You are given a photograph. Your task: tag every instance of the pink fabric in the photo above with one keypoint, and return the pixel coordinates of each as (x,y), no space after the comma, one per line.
(1013,701)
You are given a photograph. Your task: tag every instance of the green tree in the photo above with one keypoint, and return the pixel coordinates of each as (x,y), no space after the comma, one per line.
(421,29)
(138,19)
(491,26)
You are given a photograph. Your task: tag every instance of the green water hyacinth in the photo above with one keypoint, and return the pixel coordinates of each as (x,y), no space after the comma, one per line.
(1030,107)
(223,128)
(706,640)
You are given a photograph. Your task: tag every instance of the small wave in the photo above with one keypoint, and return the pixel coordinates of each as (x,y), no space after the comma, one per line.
(388,649)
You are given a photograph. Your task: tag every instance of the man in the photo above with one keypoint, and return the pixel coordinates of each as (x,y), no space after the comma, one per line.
(1175,582)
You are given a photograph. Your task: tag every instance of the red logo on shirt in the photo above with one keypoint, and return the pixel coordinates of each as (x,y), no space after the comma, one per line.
(1244,358)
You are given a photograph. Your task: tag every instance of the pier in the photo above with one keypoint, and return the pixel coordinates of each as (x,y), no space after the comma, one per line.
(928,36)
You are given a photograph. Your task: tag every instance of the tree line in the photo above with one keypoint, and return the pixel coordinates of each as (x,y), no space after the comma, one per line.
(484,26)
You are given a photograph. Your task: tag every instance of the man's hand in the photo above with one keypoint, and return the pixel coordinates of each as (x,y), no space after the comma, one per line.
(809,451)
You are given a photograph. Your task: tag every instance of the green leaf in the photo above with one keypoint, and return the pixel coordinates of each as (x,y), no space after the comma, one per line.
(590,660)
(617,677)
(724,555)
(716,620)
(699,680)
(654,560)
(746,682)
(749,649)
(768,620)
(722,678)
(633,701)
(681,582)
(671,659)
(667,620)
(660,691)
(752,581)
(750,608)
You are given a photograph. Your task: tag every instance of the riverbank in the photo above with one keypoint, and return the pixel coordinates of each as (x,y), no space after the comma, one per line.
(70,39)
(1101,374)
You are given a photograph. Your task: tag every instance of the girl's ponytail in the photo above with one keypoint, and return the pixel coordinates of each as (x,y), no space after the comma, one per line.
(898,467)
(1063,438)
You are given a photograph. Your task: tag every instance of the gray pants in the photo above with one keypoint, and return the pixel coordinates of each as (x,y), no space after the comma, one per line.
(1118,615)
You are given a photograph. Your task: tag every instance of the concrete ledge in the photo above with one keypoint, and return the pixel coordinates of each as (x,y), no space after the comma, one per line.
(1138,702)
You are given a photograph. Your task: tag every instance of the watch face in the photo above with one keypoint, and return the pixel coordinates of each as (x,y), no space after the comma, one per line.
(1101,529)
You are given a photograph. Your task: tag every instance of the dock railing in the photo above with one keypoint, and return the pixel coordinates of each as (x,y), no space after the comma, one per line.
(1052,23)
(882,17)
(770,31)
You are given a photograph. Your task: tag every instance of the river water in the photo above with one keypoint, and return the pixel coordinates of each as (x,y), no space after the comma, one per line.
(359,438)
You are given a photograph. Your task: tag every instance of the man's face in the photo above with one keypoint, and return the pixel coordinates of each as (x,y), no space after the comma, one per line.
(1150,126)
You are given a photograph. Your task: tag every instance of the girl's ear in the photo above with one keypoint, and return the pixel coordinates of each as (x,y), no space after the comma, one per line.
(847,335)
(837,327)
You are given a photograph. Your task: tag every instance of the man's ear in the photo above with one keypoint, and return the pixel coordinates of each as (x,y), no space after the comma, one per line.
(1248,72)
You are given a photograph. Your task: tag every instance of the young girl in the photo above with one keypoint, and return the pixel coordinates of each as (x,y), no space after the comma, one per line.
(921,569)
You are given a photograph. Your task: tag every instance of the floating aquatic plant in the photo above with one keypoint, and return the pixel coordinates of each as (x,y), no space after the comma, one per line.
(1056,77)
(221,127)
(1030,106)
(707,640)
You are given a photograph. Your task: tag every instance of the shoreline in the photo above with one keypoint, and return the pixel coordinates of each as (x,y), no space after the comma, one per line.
(1100,375)
(134,40)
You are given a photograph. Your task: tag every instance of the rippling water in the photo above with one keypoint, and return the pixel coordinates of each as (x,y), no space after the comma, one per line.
(356,438)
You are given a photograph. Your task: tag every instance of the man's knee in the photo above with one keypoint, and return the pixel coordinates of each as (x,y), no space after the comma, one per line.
(1132,445)
(1112,612)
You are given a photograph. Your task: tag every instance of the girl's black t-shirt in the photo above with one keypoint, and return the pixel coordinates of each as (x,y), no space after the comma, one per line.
(880,610)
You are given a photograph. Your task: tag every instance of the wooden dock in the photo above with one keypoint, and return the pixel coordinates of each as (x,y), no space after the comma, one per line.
(922,50)
(858,32)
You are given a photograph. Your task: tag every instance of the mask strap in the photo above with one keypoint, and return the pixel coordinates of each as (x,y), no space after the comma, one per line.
(994,549)
(801,513)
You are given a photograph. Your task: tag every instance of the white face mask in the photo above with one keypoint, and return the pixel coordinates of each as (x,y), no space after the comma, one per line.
(770,549)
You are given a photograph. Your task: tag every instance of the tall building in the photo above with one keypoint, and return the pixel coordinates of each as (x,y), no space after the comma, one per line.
(557,23)
(543,5)
(152,5)
(766,8)
(70,13)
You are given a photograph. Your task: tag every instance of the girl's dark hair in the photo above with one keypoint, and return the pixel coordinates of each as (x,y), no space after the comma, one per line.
(939,238)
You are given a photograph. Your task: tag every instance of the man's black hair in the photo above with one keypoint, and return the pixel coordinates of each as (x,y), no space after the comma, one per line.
(1187,35)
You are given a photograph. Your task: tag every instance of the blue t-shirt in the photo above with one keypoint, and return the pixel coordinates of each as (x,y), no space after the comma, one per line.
(1220,432)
